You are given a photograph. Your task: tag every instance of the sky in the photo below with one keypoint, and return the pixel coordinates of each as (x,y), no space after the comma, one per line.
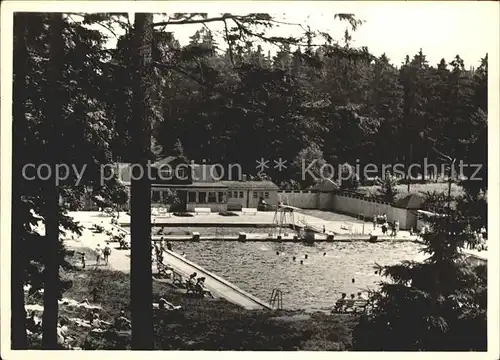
(442,30)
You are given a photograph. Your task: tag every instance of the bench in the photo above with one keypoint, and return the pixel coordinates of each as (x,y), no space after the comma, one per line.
(202,211)
(249,211)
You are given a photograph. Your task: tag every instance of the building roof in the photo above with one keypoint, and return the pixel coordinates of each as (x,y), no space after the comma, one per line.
(264,185)
(195,185)
(412,201)
(164,161)
(205,173)
(201,173)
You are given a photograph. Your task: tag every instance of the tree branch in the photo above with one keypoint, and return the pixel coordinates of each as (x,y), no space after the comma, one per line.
(191,21)
(176,68)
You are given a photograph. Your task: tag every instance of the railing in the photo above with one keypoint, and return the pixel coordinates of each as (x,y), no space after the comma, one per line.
(276,299)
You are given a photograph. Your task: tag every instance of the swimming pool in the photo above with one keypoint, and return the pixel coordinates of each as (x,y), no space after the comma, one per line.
(313,285)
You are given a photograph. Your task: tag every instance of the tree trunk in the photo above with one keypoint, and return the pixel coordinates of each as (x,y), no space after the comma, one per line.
(18,313)
(140,227)
(53,114)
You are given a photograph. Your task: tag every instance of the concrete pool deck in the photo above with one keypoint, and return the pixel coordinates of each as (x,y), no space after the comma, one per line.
(345,228)
(120,260)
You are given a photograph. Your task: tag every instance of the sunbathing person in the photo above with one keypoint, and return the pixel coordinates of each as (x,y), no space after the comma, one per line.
(200,286)
(361,296)
(85,301)
(62,337)
(96,321)
(31,324)
(340,304)
(121,322)
(191,280)
(165,305)
(349,303)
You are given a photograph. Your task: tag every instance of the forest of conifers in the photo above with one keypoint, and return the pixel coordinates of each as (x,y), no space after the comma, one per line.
(332,103)
(75,102)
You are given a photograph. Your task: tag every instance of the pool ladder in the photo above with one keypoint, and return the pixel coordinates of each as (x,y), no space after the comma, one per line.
(277,299)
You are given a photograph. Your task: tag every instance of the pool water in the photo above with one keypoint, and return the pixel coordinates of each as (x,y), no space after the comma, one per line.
(313,285)
(217,231)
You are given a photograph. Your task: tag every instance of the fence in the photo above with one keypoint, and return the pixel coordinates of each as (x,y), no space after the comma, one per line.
(350,205)
(307,199)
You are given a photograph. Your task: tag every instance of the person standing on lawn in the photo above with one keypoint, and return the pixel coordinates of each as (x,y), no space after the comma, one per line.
(82,258)
(98,254)
(106,253)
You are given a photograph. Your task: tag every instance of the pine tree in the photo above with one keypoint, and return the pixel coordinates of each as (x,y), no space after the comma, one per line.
(54,113)
(141,286)
(435,305)
(388,189)
(20,54)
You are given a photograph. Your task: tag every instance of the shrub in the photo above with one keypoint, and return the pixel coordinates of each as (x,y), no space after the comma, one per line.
(388,191)
(443,298)
(183,214)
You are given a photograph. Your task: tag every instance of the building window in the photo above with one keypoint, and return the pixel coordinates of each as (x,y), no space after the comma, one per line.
(192,196)
(229,194)
(241,194)
(202,197)
(221,197)
(255,194)
(266,194)
(211,197)
(155,196)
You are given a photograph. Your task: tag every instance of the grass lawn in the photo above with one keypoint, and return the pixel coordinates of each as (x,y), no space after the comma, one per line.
(402,189)
(201,324)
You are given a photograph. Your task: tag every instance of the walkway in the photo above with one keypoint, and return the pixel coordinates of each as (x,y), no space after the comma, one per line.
(215,283)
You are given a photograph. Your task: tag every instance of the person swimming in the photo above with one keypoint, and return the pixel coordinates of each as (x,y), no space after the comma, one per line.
(324,254)
(305,257)
(301,262)
(353,280)
(294,258)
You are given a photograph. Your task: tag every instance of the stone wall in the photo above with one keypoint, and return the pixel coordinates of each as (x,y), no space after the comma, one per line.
(349,204)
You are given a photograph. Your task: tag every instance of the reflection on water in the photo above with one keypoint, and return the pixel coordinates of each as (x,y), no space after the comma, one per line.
(313,285)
